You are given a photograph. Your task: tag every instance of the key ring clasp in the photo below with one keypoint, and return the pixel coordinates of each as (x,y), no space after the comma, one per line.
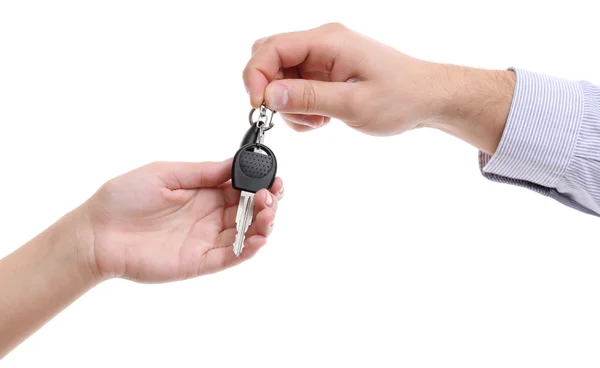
(265,118)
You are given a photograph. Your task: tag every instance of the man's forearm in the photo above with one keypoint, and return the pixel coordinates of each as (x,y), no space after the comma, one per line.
(532,130)
(43,277)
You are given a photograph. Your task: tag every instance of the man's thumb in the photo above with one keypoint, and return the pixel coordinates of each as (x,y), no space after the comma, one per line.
(301,96)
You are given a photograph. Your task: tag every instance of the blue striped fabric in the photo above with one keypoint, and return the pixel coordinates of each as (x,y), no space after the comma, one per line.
(551,142)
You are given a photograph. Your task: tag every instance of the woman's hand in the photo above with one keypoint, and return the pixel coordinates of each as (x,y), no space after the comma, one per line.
(161,222)
(172,221)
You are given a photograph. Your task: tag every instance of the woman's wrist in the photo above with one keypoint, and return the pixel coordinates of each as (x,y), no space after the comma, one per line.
(84,238)
(42,277)
(73,240)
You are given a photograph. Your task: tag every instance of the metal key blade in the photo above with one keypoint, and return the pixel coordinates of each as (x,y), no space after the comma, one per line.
(243,220)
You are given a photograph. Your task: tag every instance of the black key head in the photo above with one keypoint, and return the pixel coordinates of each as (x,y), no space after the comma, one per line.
(251,135)
(253,171)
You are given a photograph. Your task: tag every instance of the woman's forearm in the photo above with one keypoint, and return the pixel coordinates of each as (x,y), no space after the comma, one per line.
(43,277)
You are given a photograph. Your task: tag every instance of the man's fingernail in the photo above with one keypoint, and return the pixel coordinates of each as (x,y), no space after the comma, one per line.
(313,123)
(278,96)
(269,200)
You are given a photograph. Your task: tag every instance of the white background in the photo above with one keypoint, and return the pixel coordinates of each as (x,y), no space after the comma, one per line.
(386,251)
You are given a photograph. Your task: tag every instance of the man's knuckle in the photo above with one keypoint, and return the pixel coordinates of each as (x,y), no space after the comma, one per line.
(249,70)
(258,43)
(156,165)
(335,27)
(271,40)
(246,71)
(309,98)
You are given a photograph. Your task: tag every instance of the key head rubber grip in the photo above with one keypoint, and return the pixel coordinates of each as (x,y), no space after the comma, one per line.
(253,171)
(251,135)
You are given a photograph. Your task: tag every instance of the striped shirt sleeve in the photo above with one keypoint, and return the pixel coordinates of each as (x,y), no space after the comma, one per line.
(551,141)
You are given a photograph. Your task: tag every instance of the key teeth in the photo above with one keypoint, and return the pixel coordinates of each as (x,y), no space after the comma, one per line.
(244,219)
(238,245)
(237,252)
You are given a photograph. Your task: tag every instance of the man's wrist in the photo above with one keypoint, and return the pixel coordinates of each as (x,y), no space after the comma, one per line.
(475,104)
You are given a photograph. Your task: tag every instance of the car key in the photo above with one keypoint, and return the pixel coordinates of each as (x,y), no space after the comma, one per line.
(254,168)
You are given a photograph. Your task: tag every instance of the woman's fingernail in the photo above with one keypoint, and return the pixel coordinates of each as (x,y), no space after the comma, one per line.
(269,200)
(278,96)
(254,241)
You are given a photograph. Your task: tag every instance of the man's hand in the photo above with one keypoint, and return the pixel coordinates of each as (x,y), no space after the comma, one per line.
(172,221)
(331,71)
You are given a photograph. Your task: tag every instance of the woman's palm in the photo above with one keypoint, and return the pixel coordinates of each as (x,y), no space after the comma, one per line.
(153,230)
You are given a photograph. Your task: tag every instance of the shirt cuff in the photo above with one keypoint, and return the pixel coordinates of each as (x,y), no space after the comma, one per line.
(540,133)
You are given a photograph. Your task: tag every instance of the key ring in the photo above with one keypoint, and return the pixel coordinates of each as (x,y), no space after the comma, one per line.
(266,124)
